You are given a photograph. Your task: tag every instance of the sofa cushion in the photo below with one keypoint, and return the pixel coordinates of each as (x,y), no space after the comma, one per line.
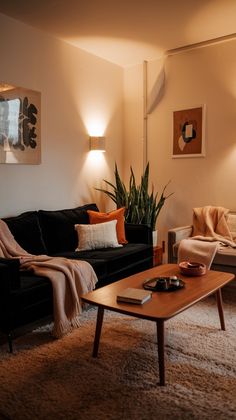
(58,227)
(100,235)
(129,254)
(27,232)
(226,256)
(114,259)
(119,215)
(99,265)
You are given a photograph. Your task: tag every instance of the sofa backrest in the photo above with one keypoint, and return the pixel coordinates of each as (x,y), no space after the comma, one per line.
(48,232)
(27,232)
(58,229)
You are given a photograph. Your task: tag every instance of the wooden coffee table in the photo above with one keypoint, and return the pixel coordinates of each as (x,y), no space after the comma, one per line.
(163,305)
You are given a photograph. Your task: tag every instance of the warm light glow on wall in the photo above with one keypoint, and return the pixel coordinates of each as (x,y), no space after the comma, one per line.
(231,155)
(95,161)
(94,170)
(95,126)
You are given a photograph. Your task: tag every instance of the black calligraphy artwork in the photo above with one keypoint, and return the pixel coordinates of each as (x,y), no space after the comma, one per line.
(19,127)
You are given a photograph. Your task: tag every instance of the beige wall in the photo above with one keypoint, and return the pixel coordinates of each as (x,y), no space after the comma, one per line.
(201,76)
(133,119)
(79,92)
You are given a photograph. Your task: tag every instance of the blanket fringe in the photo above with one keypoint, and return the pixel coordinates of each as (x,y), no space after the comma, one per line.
(62,328)
(65,327)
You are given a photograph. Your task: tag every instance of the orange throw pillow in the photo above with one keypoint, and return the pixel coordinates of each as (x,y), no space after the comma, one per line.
(98,217)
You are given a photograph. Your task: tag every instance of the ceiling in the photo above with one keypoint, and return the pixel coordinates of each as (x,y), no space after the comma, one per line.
(127,32)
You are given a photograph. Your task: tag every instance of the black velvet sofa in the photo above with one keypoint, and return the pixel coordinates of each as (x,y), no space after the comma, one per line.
(25,297)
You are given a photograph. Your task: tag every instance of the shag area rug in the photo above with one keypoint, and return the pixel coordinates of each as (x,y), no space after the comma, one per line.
(59,379)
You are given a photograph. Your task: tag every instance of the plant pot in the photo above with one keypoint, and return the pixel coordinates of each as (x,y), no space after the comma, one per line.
(154,237)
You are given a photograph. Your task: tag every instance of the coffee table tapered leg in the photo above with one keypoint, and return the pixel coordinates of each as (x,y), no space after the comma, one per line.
(220,309)
(98,330)
(161,356)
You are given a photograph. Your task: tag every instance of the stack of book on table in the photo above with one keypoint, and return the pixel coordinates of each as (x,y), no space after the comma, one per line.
(132,295)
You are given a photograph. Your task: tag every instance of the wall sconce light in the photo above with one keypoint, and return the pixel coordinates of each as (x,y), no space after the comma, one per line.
(97,143)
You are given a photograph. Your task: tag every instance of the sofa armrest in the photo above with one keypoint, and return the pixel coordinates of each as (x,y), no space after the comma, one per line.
(175,236)
(9,275)
(138,234)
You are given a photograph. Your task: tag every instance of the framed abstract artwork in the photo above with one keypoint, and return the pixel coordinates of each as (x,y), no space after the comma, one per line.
(20,139)
(189,132)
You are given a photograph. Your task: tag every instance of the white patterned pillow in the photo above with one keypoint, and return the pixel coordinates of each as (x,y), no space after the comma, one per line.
(95,236)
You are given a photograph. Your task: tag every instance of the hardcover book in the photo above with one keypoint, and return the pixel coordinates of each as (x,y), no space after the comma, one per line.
(132,295)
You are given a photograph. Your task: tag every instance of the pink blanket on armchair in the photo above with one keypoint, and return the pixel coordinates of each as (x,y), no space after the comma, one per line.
(210,224)
(210,232)
(69,278)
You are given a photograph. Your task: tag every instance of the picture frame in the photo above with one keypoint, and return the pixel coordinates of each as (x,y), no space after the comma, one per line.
(189,132)
(20,120)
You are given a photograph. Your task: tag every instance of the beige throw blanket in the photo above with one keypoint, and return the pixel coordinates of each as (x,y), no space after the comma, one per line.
(210,233)
(197,251)
(69,278)
(210,224)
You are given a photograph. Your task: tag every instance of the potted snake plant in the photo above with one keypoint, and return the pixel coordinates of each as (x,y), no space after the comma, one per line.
(142,206)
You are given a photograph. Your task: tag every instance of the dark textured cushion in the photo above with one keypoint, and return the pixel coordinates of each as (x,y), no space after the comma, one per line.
(58,227)
(99,265)
(118,258)
(113,259)
(27,232)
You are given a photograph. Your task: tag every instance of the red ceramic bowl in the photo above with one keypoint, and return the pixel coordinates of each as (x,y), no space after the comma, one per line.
(190,268)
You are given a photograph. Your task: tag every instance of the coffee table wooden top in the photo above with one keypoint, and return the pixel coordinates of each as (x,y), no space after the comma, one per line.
(163,305)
